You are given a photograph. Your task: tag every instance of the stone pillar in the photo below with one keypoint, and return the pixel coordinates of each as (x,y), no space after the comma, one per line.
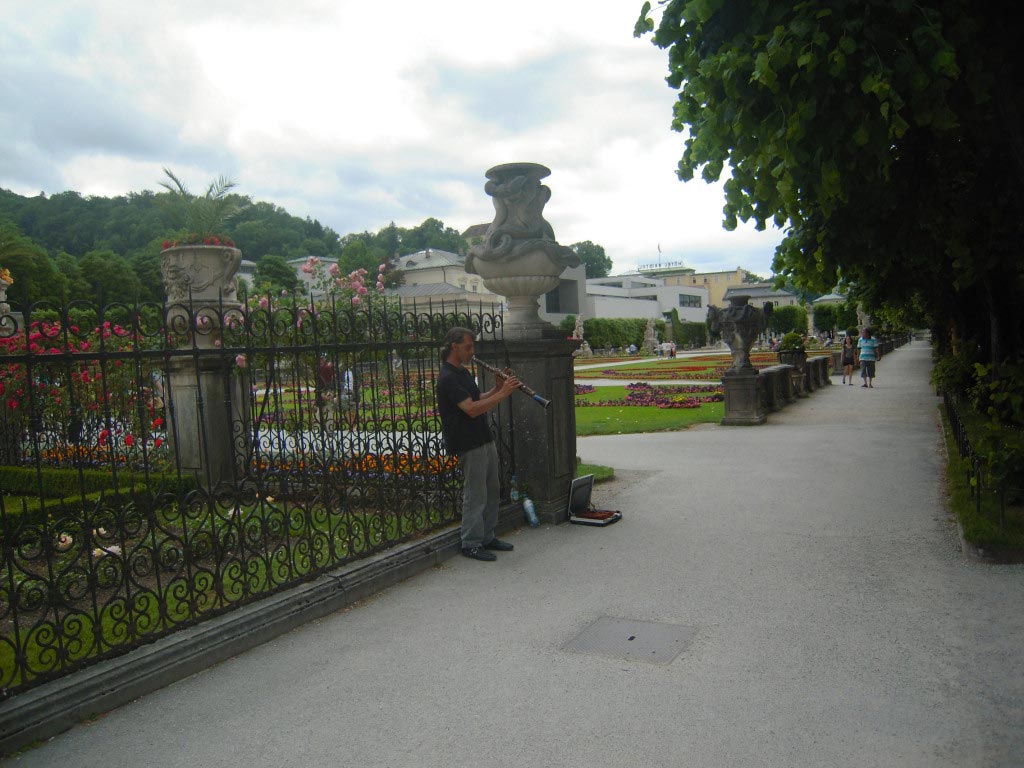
(205,399)
(544,439)
(743,405)
(207,417)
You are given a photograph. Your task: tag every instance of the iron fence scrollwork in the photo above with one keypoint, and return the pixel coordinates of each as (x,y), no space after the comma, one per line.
(112,536)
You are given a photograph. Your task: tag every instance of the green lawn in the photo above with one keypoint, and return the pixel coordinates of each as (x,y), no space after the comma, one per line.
(627,419)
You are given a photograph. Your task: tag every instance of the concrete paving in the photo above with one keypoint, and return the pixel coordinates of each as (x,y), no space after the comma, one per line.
(831,621)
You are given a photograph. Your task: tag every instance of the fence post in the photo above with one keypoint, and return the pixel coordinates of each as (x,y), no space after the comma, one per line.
(206,402)
(545,438)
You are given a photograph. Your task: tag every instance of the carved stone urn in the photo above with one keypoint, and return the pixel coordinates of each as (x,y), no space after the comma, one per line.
(739,324)
(201,288)
(520,258)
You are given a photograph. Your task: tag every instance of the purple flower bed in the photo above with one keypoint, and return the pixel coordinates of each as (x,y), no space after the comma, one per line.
(660,397)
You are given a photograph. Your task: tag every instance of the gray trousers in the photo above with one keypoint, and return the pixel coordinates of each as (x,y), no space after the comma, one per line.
(479,494)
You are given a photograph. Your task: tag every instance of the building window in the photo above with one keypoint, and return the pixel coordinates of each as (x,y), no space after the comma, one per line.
(705,281)
(686,300)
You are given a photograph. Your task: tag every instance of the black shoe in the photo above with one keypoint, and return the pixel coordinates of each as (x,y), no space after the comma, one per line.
(498,545)
(478,553)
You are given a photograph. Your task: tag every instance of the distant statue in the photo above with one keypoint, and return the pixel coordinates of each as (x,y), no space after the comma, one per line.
(650,339)
(739,325)
(577,331)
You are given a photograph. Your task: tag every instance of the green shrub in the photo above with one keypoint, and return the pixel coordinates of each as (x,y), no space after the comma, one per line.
(792,342)
(954,374)
(68,490)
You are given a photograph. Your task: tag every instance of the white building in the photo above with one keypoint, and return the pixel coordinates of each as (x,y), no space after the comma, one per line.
(763,293)
(640,296)
(434,276)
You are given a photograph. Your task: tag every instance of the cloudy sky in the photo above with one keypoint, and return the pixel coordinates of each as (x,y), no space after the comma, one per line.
(362,113)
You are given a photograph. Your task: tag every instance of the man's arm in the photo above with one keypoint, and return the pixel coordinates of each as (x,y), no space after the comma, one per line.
(489,399)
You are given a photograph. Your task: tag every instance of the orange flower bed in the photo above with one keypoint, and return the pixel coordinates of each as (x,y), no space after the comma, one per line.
(390,463)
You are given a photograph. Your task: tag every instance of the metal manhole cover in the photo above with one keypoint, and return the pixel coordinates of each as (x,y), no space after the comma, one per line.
(633,640)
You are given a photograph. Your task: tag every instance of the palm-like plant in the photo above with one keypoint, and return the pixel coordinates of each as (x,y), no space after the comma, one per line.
(200,219)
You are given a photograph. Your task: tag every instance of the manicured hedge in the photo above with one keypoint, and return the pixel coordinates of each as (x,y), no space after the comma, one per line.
(69,490)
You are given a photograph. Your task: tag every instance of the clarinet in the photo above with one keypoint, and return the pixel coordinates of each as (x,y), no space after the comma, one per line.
(525,389)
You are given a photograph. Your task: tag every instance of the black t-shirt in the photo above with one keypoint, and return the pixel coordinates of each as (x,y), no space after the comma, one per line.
(461,432)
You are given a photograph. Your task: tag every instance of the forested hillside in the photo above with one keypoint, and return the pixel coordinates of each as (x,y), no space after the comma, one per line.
(69,247)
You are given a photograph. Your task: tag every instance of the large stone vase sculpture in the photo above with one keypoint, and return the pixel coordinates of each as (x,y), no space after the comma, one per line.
(739,324)
(205,399)
(520,258)
(201,288)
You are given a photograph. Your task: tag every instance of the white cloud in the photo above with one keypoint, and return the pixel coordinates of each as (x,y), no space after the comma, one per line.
(360,114)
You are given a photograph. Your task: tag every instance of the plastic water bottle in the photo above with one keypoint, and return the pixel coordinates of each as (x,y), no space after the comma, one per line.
(514,493)
(531,513)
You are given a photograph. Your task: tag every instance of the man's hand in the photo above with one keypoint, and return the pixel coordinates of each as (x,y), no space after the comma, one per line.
(508,385)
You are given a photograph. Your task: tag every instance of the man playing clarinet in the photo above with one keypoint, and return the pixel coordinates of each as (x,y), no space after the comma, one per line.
(463,411)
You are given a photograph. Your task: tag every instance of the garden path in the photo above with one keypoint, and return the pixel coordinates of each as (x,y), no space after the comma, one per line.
(830,617)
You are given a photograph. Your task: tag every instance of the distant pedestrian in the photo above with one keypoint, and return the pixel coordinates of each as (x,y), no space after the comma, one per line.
(849,358)
(868,348)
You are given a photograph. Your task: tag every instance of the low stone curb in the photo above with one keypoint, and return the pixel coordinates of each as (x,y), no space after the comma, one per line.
(42,712)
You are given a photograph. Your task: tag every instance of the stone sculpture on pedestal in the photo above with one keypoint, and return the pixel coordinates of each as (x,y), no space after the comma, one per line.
(739,325)
(519,258)
(650,339)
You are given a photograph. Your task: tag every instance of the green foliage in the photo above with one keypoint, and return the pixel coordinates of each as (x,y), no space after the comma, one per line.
(984,527)
(35,274)
(432,233)
(205,215)
(593,257)
(358,252)
(601,473)
(877,133)
(274,274)
(792,342)
(687,334)
(953,374)
(108,275)
(825,317)
(830,317)
(999,393)
(28,491)
(789,318)
(605,332)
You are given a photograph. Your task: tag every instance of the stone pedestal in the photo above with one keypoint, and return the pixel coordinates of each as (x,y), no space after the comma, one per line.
(544,439)
(207,414)
(797,359)
(743,405)
(5,308)
(206,402)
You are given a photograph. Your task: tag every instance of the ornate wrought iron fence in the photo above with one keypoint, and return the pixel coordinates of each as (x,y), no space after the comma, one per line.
(125,513)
